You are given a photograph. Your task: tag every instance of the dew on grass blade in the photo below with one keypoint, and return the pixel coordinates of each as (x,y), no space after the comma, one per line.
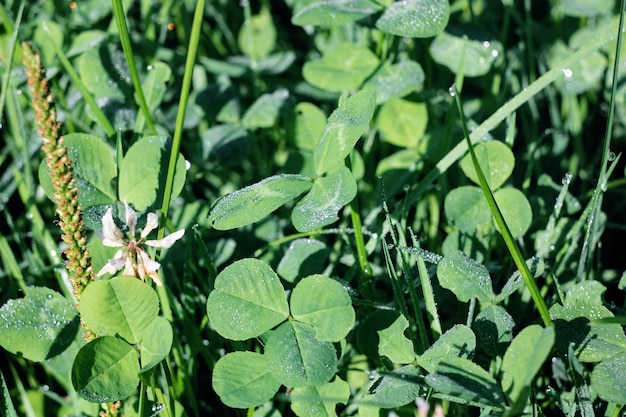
(568,73)
(567,179)
(452,91)
(611,157)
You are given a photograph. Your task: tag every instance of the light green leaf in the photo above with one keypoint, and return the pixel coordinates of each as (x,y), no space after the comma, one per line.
(94,169)
(467,209)
(252,203)
(243,380)
(333,12)
(494,328)
(48,36)
(522,360)
(154,87)
(247,301)
(320,401)
(465,277)
(305,125)
(257,38)
(585,75)
(143,172)
(100,78)
(131,306)
(415,18)
(320,206)
(39,326)
(323,303)
(472,58)
(459,341)
(345,126)
(85,40)
(297,358)
(496,161)
(515,209)
(105,370)
(460,380)
(608,379)
(396,388)
(585,8)
(394,344)
(343,68)
(156,344)
(265,110)
(402,122)
(396,81)
(303,257)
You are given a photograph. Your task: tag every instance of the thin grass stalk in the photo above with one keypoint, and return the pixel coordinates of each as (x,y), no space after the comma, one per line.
(120,18)
(510,242)
(194,40)
(11,55)
(509,107)
(592,224)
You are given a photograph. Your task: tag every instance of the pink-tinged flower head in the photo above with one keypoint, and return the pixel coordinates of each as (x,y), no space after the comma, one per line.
(131,257)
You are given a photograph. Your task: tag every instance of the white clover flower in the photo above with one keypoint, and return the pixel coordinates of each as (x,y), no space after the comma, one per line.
(132,258)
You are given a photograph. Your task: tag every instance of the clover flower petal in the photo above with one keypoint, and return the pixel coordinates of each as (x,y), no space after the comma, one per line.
(131,219)
(111,234)
(152,222)
(132,258)
(167,241)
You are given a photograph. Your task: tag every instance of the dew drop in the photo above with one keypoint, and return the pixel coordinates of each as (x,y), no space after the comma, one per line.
(603,186)
(452,91)
(568,73)
(150,67)
(611,156)
(567,179)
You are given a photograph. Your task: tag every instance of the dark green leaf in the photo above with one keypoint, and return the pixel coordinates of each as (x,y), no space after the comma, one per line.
(252,203)
(415,18)
(345,127)
(297,358)
(130,307)
(320,206)
(105,370)
(460,380)
(248,300)
(243,380)
(39,326)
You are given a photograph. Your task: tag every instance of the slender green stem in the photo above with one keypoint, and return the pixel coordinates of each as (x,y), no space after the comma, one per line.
(596,201)
(509,107)
(5,81)
(182,109)
(91,102)
(510,242)
(120,18)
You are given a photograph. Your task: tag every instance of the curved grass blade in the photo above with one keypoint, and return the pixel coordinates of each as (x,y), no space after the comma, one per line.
(510,242)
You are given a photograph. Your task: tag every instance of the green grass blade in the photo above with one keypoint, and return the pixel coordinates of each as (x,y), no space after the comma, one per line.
(509,107)
(592,231)
(120,18)
(5,81)
(182,108)
(510,242)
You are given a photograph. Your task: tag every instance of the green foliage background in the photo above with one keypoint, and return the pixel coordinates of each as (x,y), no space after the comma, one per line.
(327,199)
